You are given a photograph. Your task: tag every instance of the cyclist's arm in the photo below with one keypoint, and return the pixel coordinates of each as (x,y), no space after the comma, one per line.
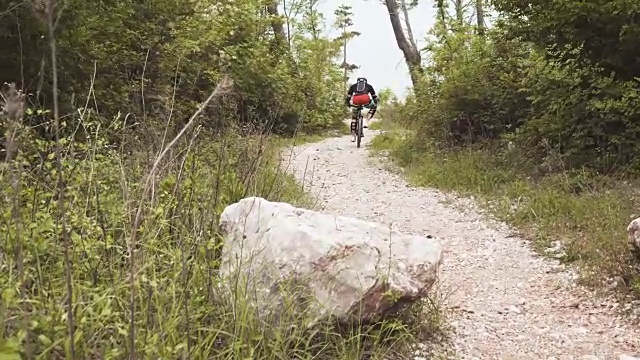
(347,99)
(351,90)
(372,91)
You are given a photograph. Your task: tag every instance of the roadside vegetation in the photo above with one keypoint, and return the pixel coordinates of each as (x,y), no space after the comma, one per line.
(127,127)
(538,117)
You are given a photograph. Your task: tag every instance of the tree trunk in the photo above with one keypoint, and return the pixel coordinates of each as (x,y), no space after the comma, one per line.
(287,17)
(407,23)
(411,54)
(313,20)
(480,17)
(442,13)
(344,62)
(459,7)
(276,24)
(281,39)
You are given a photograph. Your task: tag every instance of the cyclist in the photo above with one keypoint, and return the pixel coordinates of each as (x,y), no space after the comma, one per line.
(361,93)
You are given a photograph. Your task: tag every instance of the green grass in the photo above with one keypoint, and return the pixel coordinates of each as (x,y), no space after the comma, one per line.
(180,308)
(588,214)
(384,125)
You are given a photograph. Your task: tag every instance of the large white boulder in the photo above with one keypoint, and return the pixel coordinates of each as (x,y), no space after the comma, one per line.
(633,229)
(347,267)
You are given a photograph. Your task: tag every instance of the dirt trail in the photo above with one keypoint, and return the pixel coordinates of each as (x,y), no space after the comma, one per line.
(505,302)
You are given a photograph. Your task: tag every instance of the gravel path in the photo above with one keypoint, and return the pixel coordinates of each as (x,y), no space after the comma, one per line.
(504,301)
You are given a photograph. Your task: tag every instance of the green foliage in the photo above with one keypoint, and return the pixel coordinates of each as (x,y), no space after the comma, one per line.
(473,89)
(386,96)
(599,33)
(548,94)
(322,84)
(167,58)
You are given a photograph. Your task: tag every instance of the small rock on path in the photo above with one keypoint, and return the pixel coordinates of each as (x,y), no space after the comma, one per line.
(505,302)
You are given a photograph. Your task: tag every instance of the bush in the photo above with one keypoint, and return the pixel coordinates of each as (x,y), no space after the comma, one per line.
(166,62)
(545,100)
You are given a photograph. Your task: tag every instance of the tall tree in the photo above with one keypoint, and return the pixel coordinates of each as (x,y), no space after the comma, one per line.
(442,12)
(407,23)
(480,17)
(313,18)
(459,8)
(343,22)
(276,24)
(411,53)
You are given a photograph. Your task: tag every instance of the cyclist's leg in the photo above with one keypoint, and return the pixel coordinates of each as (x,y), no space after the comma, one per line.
(365,119)
(354,113)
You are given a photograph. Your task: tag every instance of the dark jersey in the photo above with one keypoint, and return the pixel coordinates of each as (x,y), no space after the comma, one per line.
(367,89)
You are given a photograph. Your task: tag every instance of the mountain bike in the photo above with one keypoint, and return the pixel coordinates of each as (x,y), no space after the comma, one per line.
(357,126)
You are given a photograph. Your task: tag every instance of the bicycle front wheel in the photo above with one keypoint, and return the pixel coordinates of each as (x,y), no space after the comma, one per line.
(359,130)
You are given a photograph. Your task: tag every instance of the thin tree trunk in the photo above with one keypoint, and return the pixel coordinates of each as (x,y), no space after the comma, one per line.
(282,37)
(276,24)
(459,6)
(313,23)
(480,17)
(411,54)
(407,23)
(344,63)
(287,17)
(442,13)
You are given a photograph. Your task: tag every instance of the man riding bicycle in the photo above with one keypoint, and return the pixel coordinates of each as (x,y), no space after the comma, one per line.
(361,93)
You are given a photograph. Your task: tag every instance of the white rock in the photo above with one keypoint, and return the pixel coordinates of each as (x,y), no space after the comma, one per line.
(346,266)
(634,233)
(628,357)
(581,330)
(513,309)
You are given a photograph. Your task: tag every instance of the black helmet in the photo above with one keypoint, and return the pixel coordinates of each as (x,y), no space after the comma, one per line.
(363,79)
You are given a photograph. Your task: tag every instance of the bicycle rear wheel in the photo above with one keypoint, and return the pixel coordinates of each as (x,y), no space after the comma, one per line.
(359,129)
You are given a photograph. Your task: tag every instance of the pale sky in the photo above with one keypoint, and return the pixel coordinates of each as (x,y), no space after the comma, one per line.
(375,50)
